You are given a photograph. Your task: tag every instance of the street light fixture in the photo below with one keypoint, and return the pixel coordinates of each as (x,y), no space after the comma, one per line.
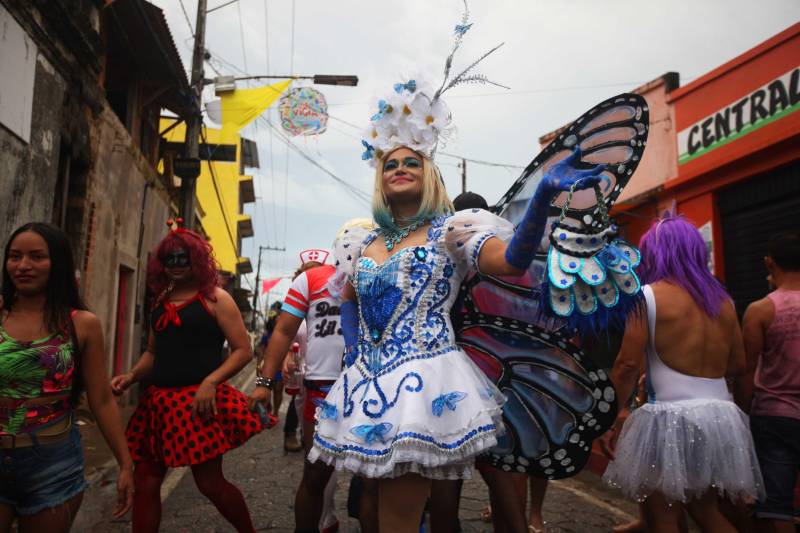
(224,84)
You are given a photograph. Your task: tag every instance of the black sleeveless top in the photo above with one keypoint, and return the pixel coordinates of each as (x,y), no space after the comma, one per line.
(188,343)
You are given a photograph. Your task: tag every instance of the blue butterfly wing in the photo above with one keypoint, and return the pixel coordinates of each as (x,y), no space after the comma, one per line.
(558,400)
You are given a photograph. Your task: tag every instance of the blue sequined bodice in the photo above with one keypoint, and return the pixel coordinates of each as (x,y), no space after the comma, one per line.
(405,304)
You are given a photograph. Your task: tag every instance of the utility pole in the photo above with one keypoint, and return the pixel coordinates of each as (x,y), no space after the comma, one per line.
(194,122)
(463,175)
(258,279)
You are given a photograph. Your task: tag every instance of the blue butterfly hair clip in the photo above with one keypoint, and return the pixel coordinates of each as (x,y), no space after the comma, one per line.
(461,29)
(410,86)
(383,108)
(369,151)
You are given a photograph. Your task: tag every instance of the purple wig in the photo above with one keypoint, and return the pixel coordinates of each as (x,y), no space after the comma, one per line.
(673,250)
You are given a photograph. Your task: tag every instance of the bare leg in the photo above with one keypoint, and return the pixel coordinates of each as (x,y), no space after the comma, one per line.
(659,516)
(54,520)
(445,495)
(636,526)
(309,497)
(507,494)
(7,516)
(538,490)
(225,496)
(368,506)
(401,501)
(147,479)
(737,513)
(705,511)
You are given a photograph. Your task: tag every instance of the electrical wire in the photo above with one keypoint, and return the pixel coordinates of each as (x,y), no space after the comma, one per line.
(476,161)
(218,194)
(186,16)
(241,34)
(355,192)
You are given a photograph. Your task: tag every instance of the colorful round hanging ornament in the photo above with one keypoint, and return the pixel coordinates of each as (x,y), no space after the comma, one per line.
(304,111)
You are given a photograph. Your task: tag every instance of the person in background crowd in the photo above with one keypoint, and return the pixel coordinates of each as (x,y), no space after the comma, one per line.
(770,388)
(689,443)
(273,416)
(189,415)
(309,304)
(51,347)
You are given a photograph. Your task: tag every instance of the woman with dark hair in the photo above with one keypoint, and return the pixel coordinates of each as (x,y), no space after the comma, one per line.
(189,416)
(689,443)
(51,347)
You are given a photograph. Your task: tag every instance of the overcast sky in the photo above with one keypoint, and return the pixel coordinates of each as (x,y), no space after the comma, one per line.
(560,57)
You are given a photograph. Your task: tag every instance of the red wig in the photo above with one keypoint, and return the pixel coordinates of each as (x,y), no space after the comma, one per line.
(205,270)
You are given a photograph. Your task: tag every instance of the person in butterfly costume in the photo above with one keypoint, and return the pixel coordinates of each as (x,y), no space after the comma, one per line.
(411,406)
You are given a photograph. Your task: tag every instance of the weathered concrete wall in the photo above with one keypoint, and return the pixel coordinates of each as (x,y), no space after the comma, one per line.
(28,172)
(120,209)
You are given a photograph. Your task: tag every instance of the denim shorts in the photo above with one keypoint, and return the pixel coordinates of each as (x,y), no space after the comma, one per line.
(38,477)
(777,441)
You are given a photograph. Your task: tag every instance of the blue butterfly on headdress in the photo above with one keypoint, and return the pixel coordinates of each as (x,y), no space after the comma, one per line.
(383,108)
(448,400)
(461,29)
(410,86)
(369,152)
(369,433)
(326,410)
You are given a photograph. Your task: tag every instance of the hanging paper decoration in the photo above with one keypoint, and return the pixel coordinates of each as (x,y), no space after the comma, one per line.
(304,111)
(267,284)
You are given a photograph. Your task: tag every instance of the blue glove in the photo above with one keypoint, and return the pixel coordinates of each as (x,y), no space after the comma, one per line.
(560,177)
(349,318)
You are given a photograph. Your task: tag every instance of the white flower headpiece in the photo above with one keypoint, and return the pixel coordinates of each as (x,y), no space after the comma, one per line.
(413,115)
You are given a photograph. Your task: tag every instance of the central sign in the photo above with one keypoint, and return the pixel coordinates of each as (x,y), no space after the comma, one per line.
(768,103)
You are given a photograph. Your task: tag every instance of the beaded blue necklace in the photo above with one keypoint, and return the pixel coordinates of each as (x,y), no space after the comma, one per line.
(392,238)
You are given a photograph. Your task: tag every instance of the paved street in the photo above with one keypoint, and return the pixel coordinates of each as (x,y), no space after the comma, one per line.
(268,477)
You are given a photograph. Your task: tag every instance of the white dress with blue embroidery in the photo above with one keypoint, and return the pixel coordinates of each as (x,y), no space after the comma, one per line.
(413,401)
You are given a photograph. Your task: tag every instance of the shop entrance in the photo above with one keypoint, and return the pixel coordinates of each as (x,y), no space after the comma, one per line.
(751,212)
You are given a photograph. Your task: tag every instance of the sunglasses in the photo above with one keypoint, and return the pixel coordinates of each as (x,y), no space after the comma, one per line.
(177,259)
(408,162)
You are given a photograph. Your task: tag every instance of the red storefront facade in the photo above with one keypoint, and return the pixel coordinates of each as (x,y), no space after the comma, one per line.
(737,139)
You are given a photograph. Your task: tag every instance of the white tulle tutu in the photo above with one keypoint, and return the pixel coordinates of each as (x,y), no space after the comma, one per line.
(683,448)
(414,438)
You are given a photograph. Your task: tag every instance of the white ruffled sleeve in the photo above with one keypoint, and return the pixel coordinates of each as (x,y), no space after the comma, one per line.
(468,230)
(346,251)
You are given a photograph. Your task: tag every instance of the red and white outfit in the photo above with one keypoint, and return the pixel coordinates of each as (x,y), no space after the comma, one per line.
(309,299)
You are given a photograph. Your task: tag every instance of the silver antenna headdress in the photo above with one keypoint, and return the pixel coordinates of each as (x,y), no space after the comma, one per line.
(409,116)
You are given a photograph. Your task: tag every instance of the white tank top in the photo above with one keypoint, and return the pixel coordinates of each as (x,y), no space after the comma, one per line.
(665,384)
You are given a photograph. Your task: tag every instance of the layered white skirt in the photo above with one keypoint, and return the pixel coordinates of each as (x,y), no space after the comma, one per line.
(429,416)
(684,448)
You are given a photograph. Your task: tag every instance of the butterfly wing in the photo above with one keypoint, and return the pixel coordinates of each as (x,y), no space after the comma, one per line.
(558,400)
(613,133)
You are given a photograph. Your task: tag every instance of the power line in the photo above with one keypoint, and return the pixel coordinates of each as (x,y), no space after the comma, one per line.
(476,161)
(480,162)
(241,34)
(186,16)
(354,191)
(291,53)
(219,196)
(522,92)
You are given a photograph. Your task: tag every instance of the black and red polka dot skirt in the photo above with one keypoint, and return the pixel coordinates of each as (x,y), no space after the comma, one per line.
(163,430)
